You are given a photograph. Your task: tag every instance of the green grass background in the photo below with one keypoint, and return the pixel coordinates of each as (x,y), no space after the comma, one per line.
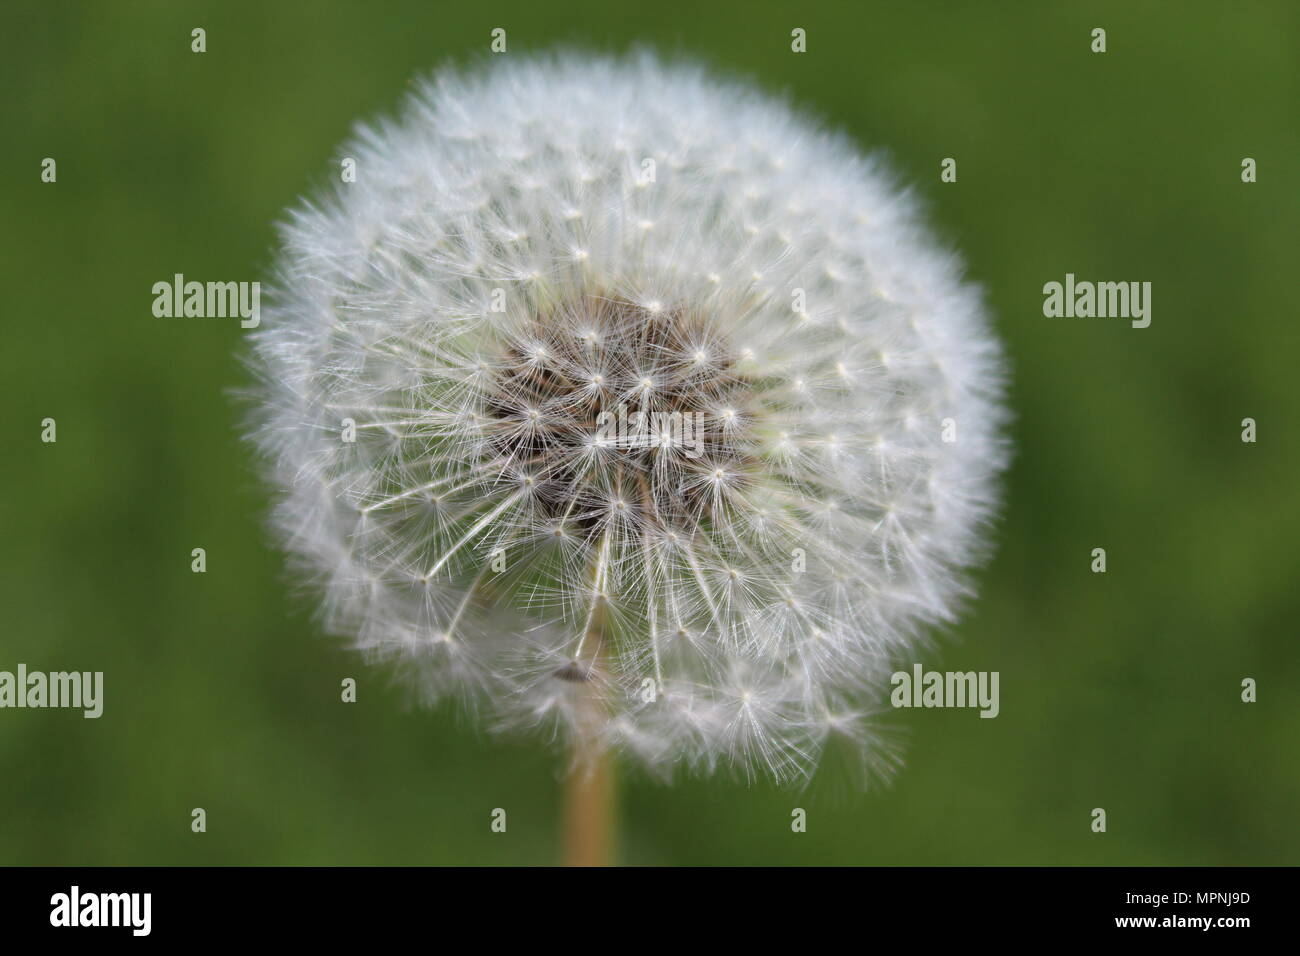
(1118,690)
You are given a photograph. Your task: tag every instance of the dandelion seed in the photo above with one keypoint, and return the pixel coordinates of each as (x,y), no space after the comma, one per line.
(479,441)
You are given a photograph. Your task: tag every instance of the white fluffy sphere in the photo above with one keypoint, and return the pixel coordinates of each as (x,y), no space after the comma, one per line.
(622,400)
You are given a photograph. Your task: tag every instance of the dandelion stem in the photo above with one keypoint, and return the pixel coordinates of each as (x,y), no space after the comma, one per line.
(589,809)
(589,789)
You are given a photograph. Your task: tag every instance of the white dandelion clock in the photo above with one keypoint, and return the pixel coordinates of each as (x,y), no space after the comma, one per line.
(627,404)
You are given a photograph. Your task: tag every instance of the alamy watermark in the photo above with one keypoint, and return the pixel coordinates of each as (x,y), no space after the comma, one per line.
(919,688)
(208,300)
(1103,300)
(660,430)
(75,908)
(82,690)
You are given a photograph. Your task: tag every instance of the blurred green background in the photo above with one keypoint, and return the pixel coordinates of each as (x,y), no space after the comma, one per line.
(1119,690)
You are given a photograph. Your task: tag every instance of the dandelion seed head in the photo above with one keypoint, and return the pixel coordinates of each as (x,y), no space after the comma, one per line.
(776,522)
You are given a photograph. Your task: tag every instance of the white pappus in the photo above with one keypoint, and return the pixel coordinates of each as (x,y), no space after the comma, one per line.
(538,247)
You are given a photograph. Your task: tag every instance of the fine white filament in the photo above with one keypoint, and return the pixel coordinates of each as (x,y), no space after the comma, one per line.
(622,401)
